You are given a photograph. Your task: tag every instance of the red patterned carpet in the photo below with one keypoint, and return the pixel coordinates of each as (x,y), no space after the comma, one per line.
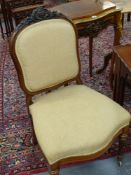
(18,155)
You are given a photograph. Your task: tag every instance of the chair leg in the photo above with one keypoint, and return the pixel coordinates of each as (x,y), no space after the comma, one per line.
(1,27)
(29,102)
(122,144)
(55,172)
(54,169)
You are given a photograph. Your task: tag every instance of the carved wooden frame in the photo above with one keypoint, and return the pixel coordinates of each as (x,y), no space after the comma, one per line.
(54,168)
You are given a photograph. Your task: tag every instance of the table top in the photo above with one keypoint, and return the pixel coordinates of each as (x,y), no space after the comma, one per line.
(124,53)
(84,8)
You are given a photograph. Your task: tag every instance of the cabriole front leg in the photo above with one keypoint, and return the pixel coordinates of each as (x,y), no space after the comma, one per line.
(122,145)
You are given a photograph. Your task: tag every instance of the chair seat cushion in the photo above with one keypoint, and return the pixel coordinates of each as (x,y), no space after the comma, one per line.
(76,121)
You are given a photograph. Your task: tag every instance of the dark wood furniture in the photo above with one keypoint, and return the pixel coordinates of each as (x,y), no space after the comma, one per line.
(125,6)
(128,16)
(90,17)
(122,70)
(13,11)
(18,10)
(1,28)
(126,9)
(6,24)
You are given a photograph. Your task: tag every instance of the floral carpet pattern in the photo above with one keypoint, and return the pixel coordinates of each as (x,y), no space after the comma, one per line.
(17,153)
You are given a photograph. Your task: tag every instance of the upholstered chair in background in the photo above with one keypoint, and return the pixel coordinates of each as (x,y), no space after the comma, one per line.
(72,123)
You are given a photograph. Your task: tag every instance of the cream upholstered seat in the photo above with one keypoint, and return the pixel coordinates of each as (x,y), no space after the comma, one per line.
(72,123)
(76,121)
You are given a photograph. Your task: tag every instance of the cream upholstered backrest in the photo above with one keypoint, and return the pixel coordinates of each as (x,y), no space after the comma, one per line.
(47,53)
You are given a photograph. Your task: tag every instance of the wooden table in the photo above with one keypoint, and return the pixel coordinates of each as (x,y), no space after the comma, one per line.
(122,70)
(126,8)
(124,5)
(10,8)
(90,17)
(8,27)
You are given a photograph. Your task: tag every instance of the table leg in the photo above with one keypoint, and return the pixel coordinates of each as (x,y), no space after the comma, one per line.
(10,18)
(117,28)
(118,31)
(111,74)
(90,55)
(107,58)
(1,27)
(128,17)
(117,36)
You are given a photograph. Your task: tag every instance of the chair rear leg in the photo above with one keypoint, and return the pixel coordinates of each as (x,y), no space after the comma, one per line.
(122,144)
(54,172)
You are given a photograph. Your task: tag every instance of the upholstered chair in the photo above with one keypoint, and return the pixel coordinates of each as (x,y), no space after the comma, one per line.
(73,122)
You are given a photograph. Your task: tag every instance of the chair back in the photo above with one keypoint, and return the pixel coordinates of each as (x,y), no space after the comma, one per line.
(45,54)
